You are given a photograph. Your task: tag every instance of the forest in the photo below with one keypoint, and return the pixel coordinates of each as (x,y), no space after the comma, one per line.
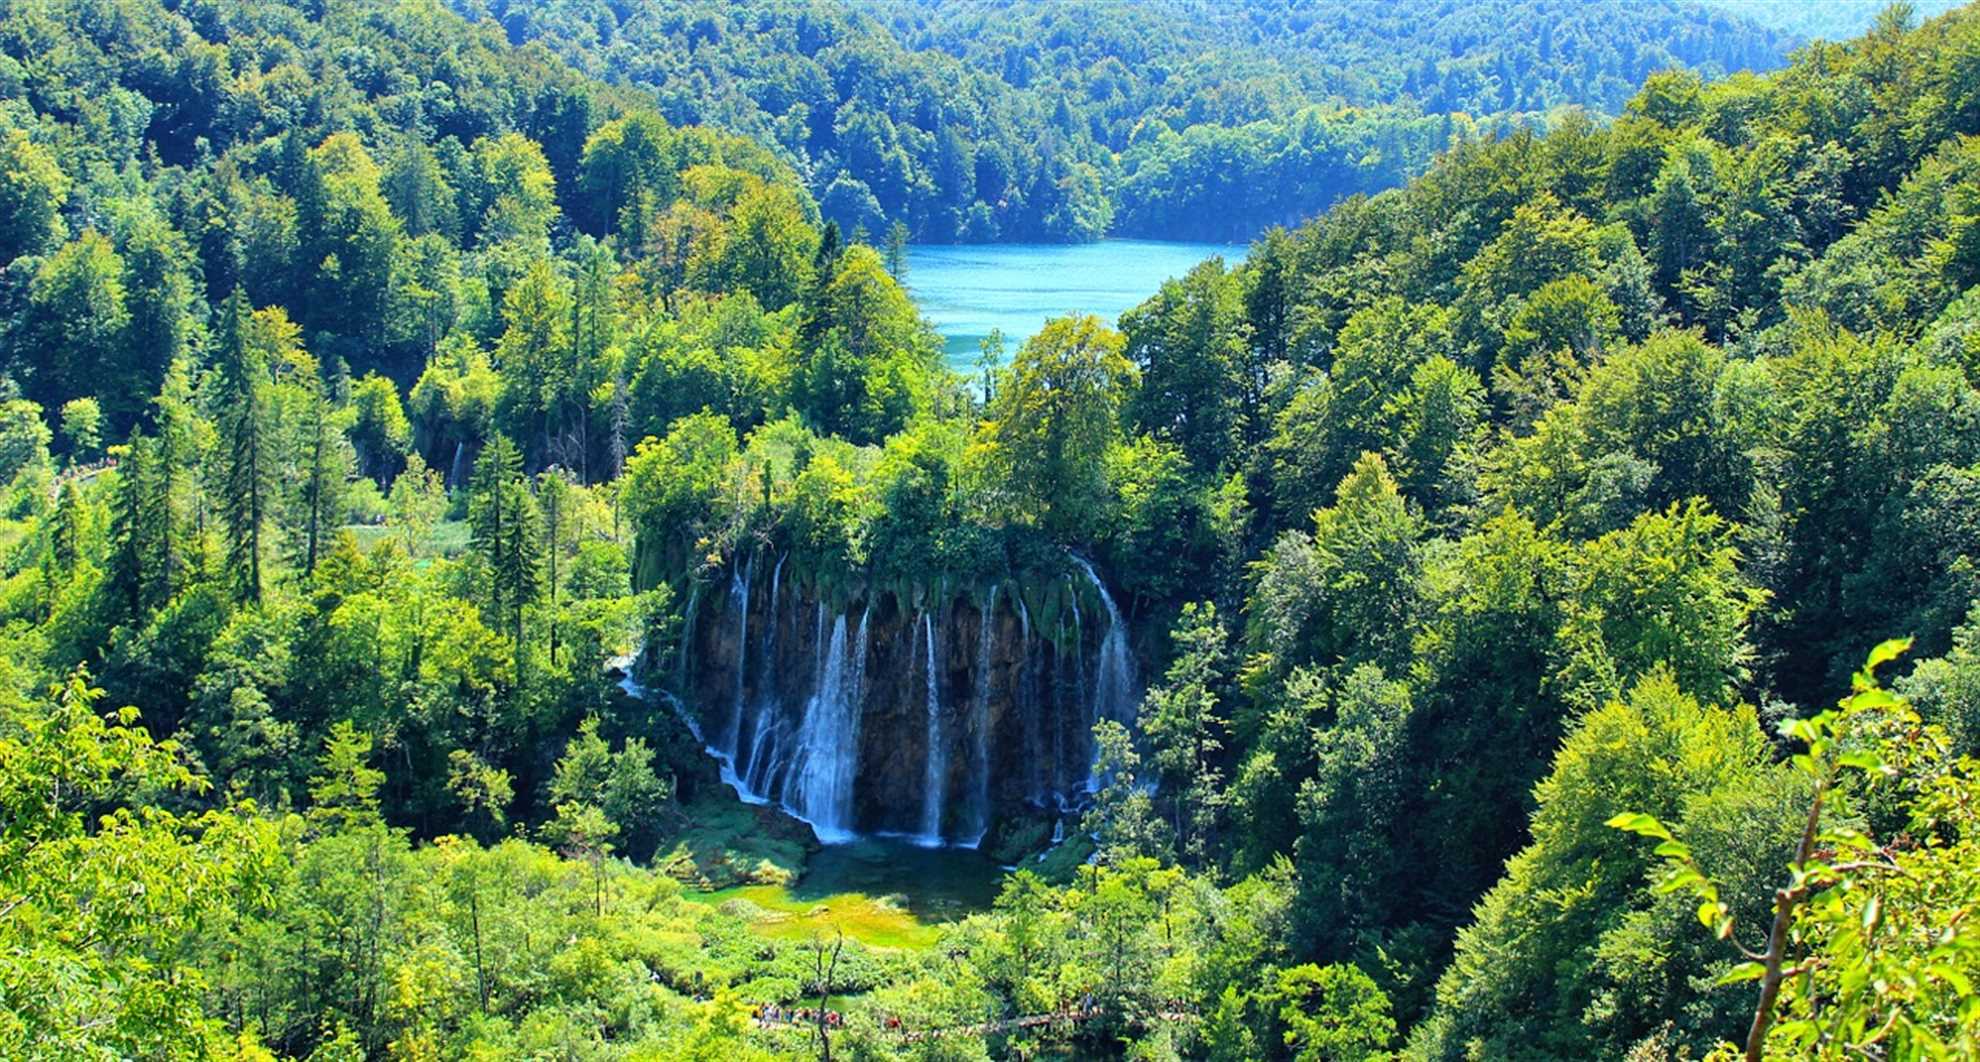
(473,540)
(1173,119)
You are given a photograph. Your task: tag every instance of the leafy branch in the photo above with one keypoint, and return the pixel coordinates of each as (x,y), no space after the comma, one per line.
(1822,857)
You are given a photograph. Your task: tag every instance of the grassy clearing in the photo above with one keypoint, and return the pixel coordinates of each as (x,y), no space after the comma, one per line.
(449,538)
(777,912)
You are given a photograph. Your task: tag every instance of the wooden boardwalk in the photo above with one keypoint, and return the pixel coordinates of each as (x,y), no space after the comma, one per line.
(982,1029)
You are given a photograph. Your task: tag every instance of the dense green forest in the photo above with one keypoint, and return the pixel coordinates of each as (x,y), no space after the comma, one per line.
(1177,119)
(1555,577)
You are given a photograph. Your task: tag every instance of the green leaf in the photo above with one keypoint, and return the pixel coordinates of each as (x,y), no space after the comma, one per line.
(1708,914)
(1862,759)
(1960,985)
(1682,877)
(1639,823)
(1887,652)
(1746,971)
(1869,699)
(1673,850)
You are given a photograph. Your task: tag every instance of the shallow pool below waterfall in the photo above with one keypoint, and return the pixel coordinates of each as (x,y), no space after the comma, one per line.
(880,891)
(969,289)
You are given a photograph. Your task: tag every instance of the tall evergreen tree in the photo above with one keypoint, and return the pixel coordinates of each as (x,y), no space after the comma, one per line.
(556,498)
(1183,722)
(249,457)
(323,486)
(502,533)
(65,534)
(174,535)
(128,524)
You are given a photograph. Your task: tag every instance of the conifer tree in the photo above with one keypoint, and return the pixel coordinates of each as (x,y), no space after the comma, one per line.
(502,532)
(555,499)
(1182,720)
(127,520)
(323,487)
(65,534)
(248,456)
(175,520)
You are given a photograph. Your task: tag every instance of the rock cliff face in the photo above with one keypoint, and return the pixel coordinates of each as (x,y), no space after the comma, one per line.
(923,713)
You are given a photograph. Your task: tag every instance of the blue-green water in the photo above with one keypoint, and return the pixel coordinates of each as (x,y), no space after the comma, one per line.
(968,289)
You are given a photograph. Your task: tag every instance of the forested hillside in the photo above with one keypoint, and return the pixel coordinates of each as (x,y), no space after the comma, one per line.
(1178,119)
(1529,613)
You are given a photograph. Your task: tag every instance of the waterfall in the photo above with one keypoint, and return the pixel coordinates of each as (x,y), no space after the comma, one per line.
(818,647)
(637,691)
(1025,700)
(1116,690)
(1020,729)
(764,725)
(454,469)
(979,725)
(759,773)
(766,684)
(819,788)
(739,581)
(1059,716)
(1082,708)
(687,635)
(937,760)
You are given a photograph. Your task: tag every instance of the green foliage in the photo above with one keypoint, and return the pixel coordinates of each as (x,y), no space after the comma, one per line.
(1523,974)
(503,533)
(621,785)
(1334,1012)
(1053,420)
(1508,471)
(1889,970)
(250,462)
(1183,724)
(1346,591)
(1167,120)
(31,196)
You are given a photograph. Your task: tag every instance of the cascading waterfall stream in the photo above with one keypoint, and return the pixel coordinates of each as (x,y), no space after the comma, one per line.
(979,727)
(765,725)
(1026,695)
(739,582)
(687,634)
(1116,690)
(819,789)
(936,763)
(830,727)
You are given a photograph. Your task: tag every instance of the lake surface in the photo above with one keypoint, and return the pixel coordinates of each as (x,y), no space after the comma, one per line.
(969,289)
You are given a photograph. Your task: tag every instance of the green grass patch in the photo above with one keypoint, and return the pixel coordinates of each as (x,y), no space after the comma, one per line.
(449,538)
(778,912)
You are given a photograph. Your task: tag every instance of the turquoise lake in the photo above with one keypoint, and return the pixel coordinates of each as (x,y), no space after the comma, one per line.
(969,289)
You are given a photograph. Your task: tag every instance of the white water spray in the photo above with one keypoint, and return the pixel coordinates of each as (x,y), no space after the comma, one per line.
(936,763)
(819,789)
(1116,689)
